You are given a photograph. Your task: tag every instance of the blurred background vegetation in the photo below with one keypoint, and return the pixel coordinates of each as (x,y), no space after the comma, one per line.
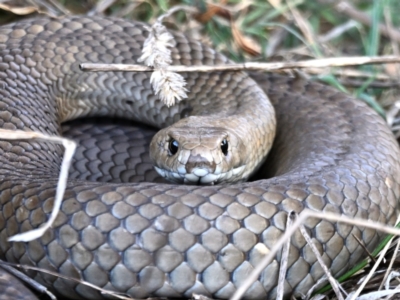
(272,30)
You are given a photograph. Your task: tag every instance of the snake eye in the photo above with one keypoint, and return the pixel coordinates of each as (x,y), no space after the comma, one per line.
(173,146)
(224,147)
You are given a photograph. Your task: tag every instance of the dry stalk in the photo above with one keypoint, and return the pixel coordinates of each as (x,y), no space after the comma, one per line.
(323,279)
(303,216)
(354,295)
(360,242)
(319,297)
(350,73)
(393,43)
(103,291)
(200,297)
(70,147)
(29,281)
(377,295)
(284,261)
(322,39)
(347,9)
(251,66)
(389,268)
(301,22)
(391,115)
(392,275)
(335,285)
(337,31)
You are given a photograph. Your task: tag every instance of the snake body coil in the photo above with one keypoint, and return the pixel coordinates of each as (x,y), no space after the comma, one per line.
(331,153)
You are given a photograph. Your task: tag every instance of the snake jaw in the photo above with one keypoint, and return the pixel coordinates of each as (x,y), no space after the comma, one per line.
(190,153)
(207,179)
(201,167)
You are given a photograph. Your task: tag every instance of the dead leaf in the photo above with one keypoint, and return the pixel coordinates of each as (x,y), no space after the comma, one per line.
(247,44)
(213,10)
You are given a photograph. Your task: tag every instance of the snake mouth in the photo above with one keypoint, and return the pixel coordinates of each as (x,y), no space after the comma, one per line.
(201,178)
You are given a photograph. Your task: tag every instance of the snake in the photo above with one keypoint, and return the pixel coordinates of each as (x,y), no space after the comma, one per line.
(331,153)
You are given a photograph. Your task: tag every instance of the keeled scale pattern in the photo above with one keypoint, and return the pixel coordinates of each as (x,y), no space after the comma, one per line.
(111,150)
(332,153)
(11,287)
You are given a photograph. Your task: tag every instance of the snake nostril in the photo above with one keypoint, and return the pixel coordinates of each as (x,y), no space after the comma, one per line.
(173,146)
(224,147)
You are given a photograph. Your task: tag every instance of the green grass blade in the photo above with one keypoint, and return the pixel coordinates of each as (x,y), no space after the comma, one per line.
(360,265)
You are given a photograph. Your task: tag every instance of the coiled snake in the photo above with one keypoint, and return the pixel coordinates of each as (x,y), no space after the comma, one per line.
(331,153)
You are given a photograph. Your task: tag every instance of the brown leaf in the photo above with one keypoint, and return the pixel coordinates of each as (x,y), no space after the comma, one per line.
(212,10)
(247,44)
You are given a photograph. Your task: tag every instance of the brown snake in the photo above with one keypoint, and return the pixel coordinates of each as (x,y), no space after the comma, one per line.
(332,153)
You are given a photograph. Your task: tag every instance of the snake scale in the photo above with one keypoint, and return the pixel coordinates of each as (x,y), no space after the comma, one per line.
(331,153)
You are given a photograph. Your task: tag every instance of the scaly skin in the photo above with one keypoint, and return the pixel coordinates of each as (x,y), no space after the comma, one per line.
(331,153)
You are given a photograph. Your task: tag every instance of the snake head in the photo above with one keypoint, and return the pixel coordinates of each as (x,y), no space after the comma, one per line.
(198,155)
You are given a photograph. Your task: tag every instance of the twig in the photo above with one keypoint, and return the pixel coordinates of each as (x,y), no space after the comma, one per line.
(29,281)
(389,268)
(255,66)
(377,294)
(373,84)
(371,273)
(284,261)
(337,31)
(391,115)
(304,26)
(389,26)
(322,39)
(351,73)
(200,297)
(390,277)
(371,257)
(304,215)
(347,9)
(103,291)
(319,297)
(274,41)
(323,279)
(70,147)
(393,43)
(328,274)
